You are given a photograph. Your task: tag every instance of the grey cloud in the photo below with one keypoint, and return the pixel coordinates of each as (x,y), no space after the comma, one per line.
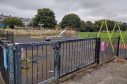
(86,9)
(28,4)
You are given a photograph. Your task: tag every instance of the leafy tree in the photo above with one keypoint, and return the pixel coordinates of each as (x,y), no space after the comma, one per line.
(123,26)
(98,24)
(110,24)
(88,26)
(94,27)
(12,21)
(82,26)
(72,20)
(35,22)
(46,17)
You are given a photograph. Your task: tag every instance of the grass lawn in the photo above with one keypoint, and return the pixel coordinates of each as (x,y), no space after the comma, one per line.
(103,35)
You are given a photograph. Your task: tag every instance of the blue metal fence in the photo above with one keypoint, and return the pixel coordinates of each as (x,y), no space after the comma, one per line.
(76,54)
(32,63)
(7,61)
(123,48)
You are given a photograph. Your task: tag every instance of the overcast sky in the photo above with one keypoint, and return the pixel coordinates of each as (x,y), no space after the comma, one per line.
(86,9)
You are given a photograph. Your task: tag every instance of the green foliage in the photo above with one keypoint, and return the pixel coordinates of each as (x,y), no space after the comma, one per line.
(72,20)
(88,26)
(12,21)
(35,21)
(82,26)
(102,34)
(110,24)
(45,16)
(123,26)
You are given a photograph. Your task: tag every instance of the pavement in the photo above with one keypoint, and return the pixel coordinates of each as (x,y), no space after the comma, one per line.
(114,72)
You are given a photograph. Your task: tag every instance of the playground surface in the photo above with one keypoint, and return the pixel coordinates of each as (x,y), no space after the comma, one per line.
(111,73)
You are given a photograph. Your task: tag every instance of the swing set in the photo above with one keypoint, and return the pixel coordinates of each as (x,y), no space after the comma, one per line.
(110,35)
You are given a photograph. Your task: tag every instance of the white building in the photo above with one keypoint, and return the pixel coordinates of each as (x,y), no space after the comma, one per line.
(25,21)
(2,17)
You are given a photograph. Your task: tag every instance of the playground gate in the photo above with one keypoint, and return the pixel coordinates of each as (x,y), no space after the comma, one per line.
(37,62)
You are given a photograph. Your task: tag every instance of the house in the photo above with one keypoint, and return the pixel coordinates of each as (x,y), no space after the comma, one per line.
(26,21)
(2,17)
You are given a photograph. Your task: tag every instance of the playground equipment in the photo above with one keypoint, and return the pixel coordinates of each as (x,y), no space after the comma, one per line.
(110,35)
(62,32)
(59,35)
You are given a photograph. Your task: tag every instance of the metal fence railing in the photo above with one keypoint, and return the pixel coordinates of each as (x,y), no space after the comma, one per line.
(108,48)
(123,48)
(92,35)
(32,63)
(6,35)
(76,54)
(36,62)
(45,60)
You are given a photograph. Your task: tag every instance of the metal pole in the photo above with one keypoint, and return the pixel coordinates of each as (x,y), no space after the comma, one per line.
(97,50)
(118,45)
(17,64)
(57,47)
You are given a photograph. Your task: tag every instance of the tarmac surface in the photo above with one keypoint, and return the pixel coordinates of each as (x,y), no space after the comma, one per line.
(110,73)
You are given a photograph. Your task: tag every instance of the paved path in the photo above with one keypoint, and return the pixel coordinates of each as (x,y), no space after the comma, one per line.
(110,73)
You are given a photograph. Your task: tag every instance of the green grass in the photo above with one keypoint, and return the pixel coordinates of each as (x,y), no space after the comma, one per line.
(102,35)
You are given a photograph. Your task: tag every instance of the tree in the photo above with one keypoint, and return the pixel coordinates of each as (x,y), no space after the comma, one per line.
(89,26)
(98,24)
(46,17)
(110,24)
(123,26)
(82,26)
(35,22)
(12,21)
(72,20)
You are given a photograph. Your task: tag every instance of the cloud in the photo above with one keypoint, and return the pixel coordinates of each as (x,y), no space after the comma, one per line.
(86,9)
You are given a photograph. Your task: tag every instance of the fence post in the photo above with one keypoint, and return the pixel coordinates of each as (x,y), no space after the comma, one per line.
(97,50)
(118,45)
(10,63)
(57,57)
(17,61)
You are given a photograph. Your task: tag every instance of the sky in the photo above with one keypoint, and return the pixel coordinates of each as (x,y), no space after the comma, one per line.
(86,9)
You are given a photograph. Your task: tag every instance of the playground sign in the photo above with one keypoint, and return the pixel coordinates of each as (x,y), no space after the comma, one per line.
(103,46)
